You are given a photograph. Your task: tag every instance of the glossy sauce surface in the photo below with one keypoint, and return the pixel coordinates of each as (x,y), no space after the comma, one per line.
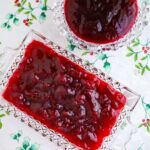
(64,96)
(100,21)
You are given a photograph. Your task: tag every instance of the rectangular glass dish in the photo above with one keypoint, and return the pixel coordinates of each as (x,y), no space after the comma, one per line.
(131,97)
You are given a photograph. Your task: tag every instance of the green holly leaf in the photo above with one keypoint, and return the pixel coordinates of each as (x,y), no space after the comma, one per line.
(141,125)
(30,23)
(85,53)
(148,106)
(148,124)
(136,42)
(14,137)
(137,66)
(34,147)
(147,68)
(4,25)
(27,12)
(45,2)
(9,27)
(42,16)
(23,2)
(43,7)
(140,65)
(2,115)
(16,21)
(33,16)
(20,10)
(136,57)
(1,125)
(8,112)
(88,62)
(143,58)
(130,49)
(26,143)
(143,71)
(102,56)
(129,54)
(106,65)
(29,5)
(19,134)
(9,16)
(71,47)
(148,129)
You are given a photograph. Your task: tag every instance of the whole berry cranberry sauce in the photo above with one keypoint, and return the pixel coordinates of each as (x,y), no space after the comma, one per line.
(64,96)
(100,21)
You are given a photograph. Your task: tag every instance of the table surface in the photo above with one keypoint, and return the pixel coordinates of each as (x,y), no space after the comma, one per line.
(130,65)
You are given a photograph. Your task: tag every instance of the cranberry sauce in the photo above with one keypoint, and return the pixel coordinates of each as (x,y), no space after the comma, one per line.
(64,96)
(100,21)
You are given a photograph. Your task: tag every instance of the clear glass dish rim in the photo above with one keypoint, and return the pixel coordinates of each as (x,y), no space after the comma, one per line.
(135,32)
(50,134)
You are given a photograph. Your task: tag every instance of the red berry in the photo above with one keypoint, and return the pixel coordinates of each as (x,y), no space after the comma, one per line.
(145,124)
(16,1)
(26,24)
(143,48)
(91,53)
(37,1)
(148,120)
(143,120)
(145,51)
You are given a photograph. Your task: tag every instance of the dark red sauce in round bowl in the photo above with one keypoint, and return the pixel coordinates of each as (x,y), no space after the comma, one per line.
(100,21)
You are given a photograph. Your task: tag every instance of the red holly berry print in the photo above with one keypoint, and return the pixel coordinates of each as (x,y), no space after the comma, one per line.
(141,54)
(26,21)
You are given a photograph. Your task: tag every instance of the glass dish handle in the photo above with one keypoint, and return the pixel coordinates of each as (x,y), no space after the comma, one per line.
(6,55)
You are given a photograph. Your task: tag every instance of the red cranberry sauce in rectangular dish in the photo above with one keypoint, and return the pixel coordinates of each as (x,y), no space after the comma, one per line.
(64,96)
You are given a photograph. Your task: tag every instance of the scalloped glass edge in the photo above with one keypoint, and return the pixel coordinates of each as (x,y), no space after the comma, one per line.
(132,97)
(135,32)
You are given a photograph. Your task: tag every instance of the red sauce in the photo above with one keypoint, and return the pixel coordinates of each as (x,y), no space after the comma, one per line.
(64,96)
(100,21)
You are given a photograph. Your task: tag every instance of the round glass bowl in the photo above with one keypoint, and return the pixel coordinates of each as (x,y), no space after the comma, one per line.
(135,31)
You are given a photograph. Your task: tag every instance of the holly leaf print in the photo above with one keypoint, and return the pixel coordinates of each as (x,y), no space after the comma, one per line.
(23,2)
(26,143)
(16,136)
(34,147)
(148,106)
(30,6)
(102,56)
(42,16)
(141,55)
(29,10)
(148,128)
(85,53)
(2,115)
(141,125)
(71,47)
(136,57)
(136,42)
(1,125)
(106,65)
